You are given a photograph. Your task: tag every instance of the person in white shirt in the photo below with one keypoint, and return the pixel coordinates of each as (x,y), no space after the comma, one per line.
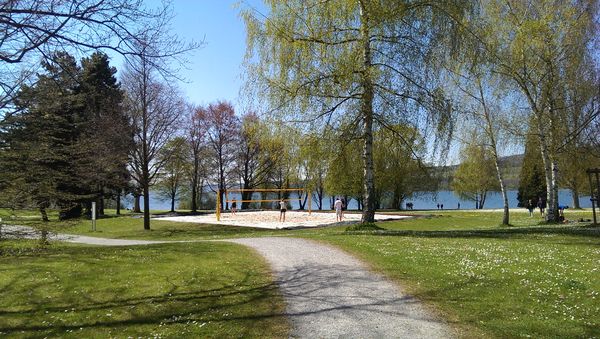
(338,209)
(282,210)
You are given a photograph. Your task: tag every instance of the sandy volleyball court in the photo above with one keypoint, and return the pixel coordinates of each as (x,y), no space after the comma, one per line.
(270,219)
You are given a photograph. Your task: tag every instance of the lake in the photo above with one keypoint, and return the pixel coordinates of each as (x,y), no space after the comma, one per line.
(424,201)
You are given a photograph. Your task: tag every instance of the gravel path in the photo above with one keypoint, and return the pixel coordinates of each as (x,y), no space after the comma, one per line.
(330,294)
(30,233)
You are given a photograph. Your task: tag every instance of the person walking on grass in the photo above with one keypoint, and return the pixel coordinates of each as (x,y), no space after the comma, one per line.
(282,210)
(541,204)
(530,207)
(338,209)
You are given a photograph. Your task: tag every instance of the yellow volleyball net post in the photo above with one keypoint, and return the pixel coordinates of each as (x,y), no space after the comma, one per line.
(272,190)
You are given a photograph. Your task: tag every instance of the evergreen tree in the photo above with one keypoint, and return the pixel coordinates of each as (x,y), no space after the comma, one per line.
(532,184)
(108,133)
(41,157)
(65,145)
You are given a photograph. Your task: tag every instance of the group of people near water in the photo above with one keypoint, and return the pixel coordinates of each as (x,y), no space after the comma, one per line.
(541,205)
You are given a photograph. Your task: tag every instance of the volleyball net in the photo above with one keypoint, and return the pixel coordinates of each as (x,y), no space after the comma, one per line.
(229,199)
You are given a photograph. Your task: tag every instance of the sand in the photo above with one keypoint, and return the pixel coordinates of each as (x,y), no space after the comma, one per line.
(270,219)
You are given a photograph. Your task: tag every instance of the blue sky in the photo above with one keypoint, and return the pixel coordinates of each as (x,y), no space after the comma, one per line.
(214,71)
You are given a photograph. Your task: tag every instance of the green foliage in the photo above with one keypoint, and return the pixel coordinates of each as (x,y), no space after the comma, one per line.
(344,172)
(176,165)
(476,175)
(68,142)
(355,64)
(532,184)
(397,154)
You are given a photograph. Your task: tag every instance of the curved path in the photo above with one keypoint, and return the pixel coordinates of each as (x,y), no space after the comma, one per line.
(330,294)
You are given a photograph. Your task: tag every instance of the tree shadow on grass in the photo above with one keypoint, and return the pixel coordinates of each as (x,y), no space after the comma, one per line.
(229,303)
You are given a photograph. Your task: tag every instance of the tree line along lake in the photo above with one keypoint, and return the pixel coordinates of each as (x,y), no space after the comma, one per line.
(422,201)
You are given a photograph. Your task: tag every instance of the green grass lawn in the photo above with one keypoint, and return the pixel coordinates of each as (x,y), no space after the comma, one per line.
(528,279)
(172,290)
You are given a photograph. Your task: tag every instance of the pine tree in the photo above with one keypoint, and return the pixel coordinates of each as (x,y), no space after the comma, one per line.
(108,133)
(532,185)
(41,156)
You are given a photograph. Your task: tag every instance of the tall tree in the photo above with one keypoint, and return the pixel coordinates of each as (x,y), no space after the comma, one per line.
(197,146)
(171,176)
(154,109)
(534,44)
(356,61)
(256,156)
(315,152)
(222,133)
(481,95)
(343,176)
(45,143)
(397,155)
(108,134)
(476,174)
(67,142)
(532,185)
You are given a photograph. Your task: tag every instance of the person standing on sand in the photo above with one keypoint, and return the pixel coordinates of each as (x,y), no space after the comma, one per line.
(338,209)
(233,207)
(282,210)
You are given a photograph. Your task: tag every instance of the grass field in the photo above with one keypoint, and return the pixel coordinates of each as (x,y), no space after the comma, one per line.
(525,280)
(173,290)
(528,280)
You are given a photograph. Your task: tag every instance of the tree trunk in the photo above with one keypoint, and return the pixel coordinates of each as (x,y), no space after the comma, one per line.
(119,202)
(200,193)
(146,207)
(575,195)
(302,199)
(553,215)
(246,195)
(492,136)
(101,204)
(136,203)
(482,200)
(173,204)
(368,213)
(317,199)
(194,193)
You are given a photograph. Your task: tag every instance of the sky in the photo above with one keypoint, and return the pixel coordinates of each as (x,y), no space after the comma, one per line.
(214,71)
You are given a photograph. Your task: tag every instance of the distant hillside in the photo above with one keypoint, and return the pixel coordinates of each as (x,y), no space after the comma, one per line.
(511,166)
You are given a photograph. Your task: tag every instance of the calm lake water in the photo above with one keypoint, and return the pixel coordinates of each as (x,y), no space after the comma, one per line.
(423,201)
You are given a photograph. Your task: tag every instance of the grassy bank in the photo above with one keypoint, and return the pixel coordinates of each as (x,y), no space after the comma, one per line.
(523,281)
(172,290)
